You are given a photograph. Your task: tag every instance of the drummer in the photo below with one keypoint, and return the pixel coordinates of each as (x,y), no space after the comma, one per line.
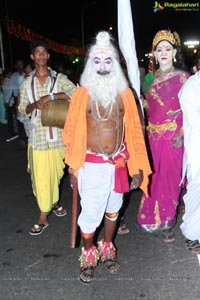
(46,150)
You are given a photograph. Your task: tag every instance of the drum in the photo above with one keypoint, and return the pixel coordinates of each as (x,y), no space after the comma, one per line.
(54,114)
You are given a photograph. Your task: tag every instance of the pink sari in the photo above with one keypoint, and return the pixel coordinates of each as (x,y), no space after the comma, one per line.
(158,210)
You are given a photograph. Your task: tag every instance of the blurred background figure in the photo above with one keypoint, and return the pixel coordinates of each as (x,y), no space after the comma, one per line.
(3,119)
(4,86)
(11,99)
(24,120)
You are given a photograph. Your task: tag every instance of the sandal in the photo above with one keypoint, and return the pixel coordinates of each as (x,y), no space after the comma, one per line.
(88,261)
(168,237)
(38,229)
(193,245)
(123,229)
(87,274)
(111,265)
(108,256)
(59,211)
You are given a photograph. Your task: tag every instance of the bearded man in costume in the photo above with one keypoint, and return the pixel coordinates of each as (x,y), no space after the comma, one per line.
(103,137)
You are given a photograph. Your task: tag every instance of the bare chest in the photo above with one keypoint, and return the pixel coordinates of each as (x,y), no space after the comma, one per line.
(105,127)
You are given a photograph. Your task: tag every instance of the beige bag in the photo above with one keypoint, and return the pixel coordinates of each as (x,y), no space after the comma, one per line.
(54,114)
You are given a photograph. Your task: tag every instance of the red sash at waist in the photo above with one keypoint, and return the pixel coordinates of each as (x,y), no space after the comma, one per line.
(100,158)
(119,160)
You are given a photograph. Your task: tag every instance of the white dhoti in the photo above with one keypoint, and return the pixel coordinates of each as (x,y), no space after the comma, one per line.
(189,96)
(96,189)
(191,218)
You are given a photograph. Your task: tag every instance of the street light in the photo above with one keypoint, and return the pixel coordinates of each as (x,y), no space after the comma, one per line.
(82,22)
(191,44)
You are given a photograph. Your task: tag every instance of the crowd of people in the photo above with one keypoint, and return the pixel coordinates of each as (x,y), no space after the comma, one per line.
(104,145)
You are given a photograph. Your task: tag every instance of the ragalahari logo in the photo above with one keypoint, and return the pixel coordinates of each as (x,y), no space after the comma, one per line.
(158,7)
(177,6)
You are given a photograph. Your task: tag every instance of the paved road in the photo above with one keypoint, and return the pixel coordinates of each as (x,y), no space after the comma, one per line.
(46,268)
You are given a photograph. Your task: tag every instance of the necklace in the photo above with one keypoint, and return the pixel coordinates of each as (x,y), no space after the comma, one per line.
(161,77)
(117,145)
(96,113)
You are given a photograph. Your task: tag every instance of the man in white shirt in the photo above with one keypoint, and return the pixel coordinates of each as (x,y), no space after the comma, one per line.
(189,96)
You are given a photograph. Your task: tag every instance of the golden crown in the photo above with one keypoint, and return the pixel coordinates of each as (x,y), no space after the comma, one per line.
(164,35)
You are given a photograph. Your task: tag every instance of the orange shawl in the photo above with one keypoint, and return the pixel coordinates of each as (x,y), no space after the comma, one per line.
(75,135)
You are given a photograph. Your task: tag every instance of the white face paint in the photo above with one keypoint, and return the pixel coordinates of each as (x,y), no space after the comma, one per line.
(102,63)
(164,54)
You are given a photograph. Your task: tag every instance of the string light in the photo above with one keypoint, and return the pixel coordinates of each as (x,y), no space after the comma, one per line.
(26,34)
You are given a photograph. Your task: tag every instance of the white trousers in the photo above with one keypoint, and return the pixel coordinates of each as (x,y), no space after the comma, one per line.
(96,189)
(191,218)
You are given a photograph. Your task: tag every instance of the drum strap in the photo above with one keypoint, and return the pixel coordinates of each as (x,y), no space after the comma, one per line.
(53,81)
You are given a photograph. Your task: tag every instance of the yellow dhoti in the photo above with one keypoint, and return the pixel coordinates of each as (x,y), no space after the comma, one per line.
(46,169)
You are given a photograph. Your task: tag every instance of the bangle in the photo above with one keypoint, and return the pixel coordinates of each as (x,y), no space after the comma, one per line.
(52,97)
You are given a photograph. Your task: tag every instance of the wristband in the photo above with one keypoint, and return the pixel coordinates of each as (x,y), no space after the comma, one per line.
(52,97)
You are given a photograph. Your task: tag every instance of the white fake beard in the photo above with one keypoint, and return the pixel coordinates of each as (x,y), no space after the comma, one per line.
(104,88)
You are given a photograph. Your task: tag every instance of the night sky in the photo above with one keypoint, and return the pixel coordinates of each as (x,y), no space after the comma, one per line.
(61,21)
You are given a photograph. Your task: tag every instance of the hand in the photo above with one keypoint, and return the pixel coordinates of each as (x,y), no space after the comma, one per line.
(177,140)
(136,180)
(40,104)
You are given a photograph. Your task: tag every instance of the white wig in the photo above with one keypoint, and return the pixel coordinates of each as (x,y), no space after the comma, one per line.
(98,85)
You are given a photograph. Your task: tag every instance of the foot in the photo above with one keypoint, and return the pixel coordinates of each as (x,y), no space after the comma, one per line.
(87,274)
(123,229)
(196,251)
(38,229)
(59,211)
(168,236)
(108,256)
(88,261)
(111,265)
